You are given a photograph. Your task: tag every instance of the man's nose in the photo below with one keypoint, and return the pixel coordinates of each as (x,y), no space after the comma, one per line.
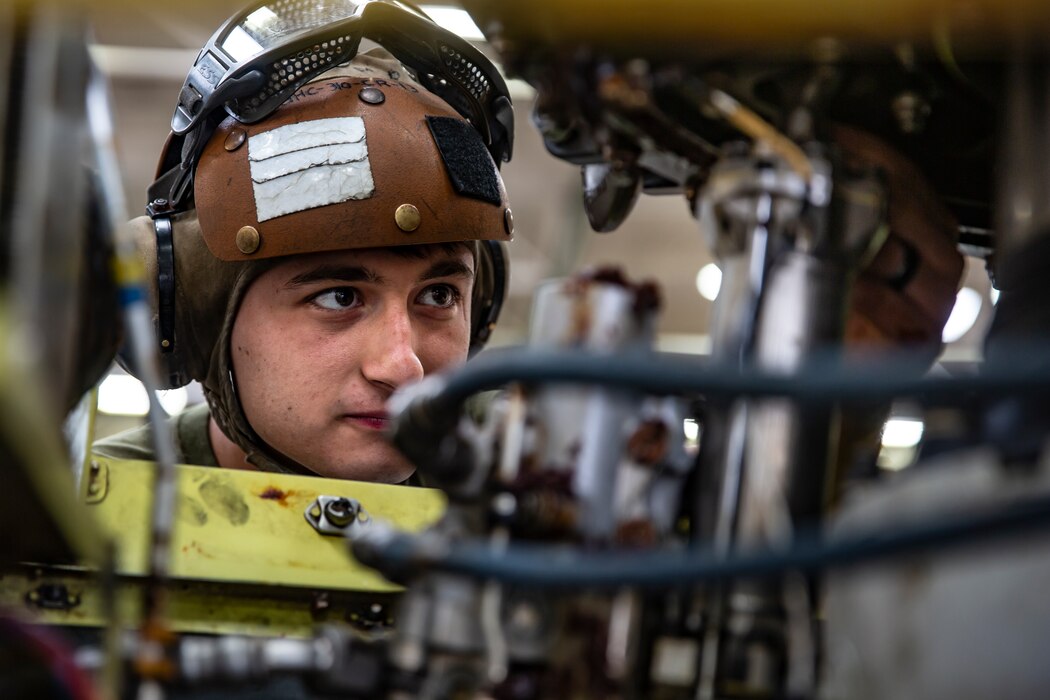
(392,359)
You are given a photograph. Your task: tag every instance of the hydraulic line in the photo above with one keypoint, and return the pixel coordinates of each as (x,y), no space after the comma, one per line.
(399,554)
(429,410)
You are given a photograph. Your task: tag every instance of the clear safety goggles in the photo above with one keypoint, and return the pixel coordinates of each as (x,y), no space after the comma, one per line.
(261,56)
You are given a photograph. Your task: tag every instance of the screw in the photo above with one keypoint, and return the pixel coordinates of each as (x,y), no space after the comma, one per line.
(320,603)
(340,512)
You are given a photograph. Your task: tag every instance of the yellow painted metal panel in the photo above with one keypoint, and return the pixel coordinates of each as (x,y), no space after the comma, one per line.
(208,608)
(248,527)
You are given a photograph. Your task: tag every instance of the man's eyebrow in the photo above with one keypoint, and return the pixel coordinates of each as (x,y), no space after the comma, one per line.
(447,268)
(341,273)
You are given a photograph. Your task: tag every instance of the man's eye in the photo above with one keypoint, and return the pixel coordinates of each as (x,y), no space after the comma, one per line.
(441,295)
(337,299)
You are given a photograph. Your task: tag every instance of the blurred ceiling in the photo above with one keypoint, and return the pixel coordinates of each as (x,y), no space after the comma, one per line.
(147,48)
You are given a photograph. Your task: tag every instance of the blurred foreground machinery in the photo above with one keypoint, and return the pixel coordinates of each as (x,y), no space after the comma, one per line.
(733,108)
(579,549)
(58,323)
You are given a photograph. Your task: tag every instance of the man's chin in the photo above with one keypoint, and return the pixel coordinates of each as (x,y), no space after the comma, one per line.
(393,470)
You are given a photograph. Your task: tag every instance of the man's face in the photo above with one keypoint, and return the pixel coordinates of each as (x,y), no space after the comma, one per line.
(321,341)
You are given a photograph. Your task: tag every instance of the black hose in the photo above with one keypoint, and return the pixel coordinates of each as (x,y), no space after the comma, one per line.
(433,410)
(566,567)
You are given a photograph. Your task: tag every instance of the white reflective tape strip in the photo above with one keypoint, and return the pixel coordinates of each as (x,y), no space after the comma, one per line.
(315,187)
(310,134)
(263,170)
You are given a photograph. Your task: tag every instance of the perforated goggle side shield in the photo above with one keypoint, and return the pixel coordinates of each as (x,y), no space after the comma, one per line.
(261,56)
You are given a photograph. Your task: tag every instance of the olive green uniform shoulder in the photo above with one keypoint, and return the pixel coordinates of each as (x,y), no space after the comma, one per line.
(192,444)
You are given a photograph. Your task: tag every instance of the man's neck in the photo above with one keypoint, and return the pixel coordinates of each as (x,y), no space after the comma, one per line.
(227,453)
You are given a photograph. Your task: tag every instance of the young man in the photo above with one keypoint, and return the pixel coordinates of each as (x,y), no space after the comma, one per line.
(337,250)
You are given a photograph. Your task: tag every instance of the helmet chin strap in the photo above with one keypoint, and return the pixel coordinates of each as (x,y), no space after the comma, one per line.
(228,413)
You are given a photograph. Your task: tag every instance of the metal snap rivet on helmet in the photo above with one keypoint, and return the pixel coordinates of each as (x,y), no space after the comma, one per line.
(235,139)
(248,240)
(407,218)
(371,95)
(508,221)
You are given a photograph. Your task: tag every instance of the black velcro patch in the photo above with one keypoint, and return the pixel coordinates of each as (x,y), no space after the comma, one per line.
(469,165)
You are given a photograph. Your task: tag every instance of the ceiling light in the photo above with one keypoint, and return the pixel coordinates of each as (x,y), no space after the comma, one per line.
(173,400)
(902,432)
(709,281)
(122,395)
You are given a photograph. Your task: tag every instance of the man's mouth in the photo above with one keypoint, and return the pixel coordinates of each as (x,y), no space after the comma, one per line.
(372,421)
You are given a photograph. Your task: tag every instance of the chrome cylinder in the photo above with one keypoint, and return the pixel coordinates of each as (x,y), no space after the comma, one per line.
(581,433)
(788,245)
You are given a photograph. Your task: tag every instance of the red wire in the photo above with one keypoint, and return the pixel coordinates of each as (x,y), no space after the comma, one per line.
(55,653)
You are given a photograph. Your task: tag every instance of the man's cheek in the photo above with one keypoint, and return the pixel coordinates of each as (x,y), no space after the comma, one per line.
(446,350)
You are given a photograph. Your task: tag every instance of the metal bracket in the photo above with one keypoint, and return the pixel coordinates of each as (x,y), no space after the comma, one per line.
(96,482)
(336,515)
(53,596)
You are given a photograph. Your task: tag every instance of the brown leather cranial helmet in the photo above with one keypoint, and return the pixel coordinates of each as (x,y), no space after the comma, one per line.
(361,157)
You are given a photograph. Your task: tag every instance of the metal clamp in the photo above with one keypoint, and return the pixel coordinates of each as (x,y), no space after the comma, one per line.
(336,515)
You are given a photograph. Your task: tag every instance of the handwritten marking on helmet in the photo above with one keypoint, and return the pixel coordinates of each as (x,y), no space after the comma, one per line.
(407,218)
(248,240)
(335,86)
(309,164)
